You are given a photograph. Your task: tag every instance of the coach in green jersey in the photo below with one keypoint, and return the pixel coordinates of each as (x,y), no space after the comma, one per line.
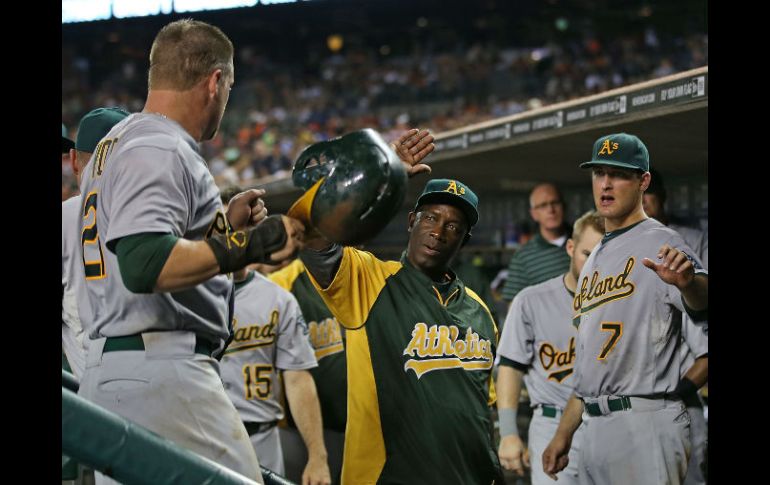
(420,347)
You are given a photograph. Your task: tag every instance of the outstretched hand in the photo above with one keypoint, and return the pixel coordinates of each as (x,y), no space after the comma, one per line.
(412,147)
(675,269)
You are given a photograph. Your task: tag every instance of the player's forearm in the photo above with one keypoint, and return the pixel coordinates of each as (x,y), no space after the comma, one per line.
(571,418)
(698,373)
(190,263)
(303,401)
(508,386)
(696,295)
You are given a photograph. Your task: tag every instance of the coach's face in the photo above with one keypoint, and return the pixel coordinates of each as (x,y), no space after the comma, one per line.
(618,191)
(436,234)
(221,87)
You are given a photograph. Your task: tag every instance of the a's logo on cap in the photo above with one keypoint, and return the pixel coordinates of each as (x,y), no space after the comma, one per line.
(608,148)
(452,187)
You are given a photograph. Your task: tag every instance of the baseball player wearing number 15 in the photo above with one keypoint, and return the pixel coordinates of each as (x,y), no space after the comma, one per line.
(627,366)
(270,350)
(538,346)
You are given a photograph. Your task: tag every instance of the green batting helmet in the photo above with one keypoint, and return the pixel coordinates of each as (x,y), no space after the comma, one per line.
(353,184)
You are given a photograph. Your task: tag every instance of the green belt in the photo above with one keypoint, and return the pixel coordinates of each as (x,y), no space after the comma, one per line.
(135,342)
(549,411)
(619,404)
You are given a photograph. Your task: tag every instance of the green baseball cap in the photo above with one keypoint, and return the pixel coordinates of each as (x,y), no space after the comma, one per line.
(66,143)
(452,192)
(620,150)
(95,125)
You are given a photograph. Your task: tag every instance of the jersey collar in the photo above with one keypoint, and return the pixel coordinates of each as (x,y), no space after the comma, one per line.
(608,236)
(445,292)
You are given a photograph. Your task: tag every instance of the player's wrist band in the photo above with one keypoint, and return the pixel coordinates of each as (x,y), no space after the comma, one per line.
(235,250)
(507,418)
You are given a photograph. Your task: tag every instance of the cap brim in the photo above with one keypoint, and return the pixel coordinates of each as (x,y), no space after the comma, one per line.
(66,144)
(454,200)
(611,163)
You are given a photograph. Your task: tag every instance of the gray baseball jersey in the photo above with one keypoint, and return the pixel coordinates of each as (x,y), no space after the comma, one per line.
(538,331)
(270,335)
(75,312)
(147,176)
(624,313)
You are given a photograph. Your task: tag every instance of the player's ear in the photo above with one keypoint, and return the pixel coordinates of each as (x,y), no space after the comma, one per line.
(213,82)
(410,221)
(74,162)
(646,177)
(570,247)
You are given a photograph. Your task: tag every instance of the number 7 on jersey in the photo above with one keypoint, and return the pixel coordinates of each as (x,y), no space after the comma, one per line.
(617,331)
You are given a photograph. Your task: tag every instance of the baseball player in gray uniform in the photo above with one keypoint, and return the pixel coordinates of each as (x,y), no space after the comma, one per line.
(157,250)
(695,361)
(538,346)
(271,350)
(75,313)
(627,365)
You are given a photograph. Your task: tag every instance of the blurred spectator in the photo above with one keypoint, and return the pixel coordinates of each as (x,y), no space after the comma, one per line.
(545,255)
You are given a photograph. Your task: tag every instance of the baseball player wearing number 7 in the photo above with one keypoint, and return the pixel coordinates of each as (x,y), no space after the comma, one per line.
(158,249)
(538,346)
(627,365)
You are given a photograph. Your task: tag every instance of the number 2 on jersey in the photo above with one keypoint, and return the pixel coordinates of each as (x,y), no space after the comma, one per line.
(256,381)
(94,268)
(617,330)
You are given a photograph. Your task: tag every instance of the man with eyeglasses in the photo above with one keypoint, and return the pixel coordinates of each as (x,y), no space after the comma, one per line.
(544,256)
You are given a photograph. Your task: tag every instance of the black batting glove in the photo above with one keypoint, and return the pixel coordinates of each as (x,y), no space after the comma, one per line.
(237,249)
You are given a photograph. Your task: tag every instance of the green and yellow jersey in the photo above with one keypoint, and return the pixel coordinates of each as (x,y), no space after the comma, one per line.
(328,341)
(419,375)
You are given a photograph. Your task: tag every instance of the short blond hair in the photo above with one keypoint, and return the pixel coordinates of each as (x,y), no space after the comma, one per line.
(185,51)
(589,219)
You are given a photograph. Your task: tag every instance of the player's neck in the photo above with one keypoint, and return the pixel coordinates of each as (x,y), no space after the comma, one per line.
(178,106)
(616,223)
(240,275)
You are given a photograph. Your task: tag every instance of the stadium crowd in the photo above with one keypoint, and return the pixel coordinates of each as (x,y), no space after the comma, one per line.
(277,108)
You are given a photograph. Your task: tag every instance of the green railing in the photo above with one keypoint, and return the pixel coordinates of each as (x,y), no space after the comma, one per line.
(131,454)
